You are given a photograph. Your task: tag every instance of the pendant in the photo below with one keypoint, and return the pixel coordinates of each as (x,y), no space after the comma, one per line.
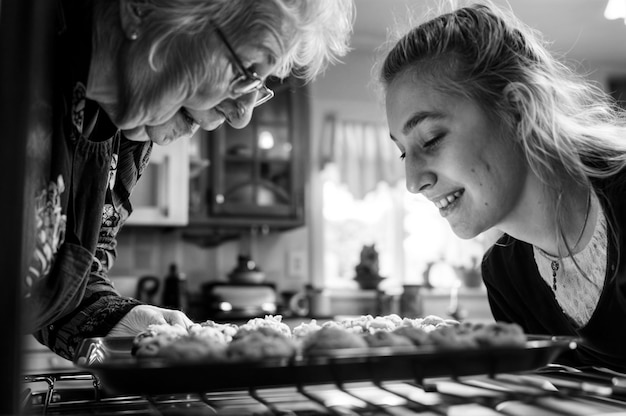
(555,266)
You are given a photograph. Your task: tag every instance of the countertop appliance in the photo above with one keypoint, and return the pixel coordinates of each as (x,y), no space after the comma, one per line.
(147,288)
(236,301)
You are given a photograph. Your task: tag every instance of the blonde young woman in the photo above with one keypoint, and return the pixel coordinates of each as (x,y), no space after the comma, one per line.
(499,134)
(128,74)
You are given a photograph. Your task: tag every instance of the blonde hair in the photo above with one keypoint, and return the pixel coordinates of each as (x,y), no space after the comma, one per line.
(567,126)
(303,36)
(177,40)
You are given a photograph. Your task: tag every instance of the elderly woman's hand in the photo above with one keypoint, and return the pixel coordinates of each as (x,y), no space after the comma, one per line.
(138,319)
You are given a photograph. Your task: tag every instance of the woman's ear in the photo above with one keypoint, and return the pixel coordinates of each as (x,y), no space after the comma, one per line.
(514,96)
(519,102)
(131,16)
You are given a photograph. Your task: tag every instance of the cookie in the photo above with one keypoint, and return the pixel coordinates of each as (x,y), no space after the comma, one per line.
(387,339)
(192,349)
(416,336)
(260,345)
(330,338)
(501,334)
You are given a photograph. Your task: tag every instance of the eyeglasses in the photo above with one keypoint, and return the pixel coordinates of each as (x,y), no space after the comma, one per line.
(248,81)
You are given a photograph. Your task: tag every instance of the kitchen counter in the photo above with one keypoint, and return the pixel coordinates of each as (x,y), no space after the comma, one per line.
(471,303)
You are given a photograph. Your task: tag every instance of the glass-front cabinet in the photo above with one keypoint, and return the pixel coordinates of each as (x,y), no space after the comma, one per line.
(252,177)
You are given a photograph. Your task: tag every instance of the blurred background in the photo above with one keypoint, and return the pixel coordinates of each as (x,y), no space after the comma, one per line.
(312,192)
(304,213)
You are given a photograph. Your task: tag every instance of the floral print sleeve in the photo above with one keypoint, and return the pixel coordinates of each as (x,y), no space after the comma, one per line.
(101,307)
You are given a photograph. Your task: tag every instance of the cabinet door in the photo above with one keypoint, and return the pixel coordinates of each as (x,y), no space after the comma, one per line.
(256,174)
(161,194)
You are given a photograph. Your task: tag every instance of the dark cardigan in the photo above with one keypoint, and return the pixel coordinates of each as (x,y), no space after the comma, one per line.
(90,177)
(517,292)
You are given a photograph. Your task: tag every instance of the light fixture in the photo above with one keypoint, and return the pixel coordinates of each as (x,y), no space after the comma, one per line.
(225,306)
(615,9)
(266,140)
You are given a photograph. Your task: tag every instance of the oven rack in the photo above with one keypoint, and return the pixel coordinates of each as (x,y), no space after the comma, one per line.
(51,380)
(544,392)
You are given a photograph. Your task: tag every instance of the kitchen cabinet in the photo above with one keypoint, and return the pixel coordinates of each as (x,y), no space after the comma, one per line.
(161,194)
(255,176)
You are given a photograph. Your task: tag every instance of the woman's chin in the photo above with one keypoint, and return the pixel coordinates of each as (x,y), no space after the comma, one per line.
(214,123)
(137,134)
(161,136)
(165,139)
(175,129)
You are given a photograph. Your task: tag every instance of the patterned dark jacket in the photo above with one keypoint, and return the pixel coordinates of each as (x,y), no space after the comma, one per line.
(81,204)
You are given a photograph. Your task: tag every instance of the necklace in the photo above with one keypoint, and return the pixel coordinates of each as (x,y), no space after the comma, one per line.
(554,264)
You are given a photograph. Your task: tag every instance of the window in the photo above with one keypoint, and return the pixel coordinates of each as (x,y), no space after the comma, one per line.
(415,244)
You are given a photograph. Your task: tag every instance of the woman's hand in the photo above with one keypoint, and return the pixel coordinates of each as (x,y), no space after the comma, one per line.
(138,319)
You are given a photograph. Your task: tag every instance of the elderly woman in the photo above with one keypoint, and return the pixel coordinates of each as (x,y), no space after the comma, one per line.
(130,73)
(499,134)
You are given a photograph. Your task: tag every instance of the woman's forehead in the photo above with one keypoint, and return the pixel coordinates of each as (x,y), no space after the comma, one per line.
(416,89)
(409,99)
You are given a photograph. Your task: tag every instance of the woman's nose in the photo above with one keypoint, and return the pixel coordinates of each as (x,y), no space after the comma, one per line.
(418,177)
(245,108)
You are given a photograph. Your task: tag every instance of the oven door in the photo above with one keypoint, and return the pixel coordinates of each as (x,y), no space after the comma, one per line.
(26,52)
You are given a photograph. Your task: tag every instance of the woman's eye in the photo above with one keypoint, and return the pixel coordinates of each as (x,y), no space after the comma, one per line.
(433,143)
(403,156)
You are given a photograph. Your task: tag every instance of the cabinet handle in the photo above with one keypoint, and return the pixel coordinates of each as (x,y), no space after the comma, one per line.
(164,197)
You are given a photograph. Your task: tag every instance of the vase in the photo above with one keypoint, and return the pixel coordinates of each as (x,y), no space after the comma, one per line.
(368,282)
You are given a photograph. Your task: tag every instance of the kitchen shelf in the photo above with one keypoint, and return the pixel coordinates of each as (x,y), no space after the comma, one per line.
(256,175)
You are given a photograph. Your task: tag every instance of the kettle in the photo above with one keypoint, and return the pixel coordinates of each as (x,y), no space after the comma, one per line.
(147,288)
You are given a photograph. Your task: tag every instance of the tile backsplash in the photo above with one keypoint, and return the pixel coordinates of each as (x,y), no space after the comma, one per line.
(149,251)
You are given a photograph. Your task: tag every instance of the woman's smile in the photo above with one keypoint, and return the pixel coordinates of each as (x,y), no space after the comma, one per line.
(448,203)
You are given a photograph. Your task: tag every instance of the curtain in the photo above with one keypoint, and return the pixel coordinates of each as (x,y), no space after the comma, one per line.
(363,153)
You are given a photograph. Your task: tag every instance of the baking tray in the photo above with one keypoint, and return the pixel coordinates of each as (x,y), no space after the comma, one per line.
(109,359)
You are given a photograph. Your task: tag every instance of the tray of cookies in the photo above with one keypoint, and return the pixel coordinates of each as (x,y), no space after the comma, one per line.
(265,352)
